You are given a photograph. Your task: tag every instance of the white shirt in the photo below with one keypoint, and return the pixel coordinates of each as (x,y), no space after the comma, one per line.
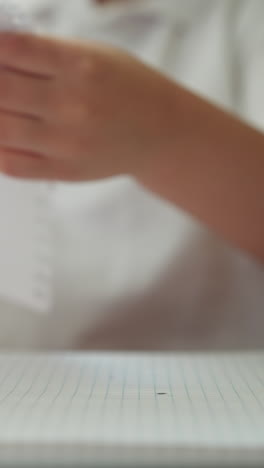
(130,270)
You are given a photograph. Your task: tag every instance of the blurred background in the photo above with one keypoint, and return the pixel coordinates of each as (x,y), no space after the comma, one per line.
(131,271)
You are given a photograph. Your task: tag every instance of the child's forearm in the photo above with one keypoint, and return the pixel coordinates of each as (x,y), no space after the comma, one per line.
(213,167)
(109,114)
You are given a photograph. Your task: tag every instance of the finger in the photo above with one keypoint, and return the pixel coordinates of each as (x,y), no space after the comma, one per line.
(25,165)
(33,54)
(24,134)
(25,94)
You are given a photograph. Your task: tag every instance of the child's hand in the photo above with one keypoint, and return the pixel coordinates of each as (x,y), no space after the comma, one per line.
(72,111)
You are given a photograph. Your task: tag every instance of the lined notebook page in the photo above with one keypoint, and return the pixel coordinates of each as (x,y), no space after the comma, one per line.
(131,408)
(25,247)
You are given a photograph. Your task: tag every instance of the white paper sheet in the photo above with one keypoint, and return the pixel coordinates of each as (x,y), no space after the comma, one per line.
(132,409)
(25,244)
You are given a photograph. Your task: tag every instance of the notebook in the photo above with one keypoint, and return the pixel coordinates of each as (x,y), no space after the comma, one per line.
(131,410)
(24,229)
